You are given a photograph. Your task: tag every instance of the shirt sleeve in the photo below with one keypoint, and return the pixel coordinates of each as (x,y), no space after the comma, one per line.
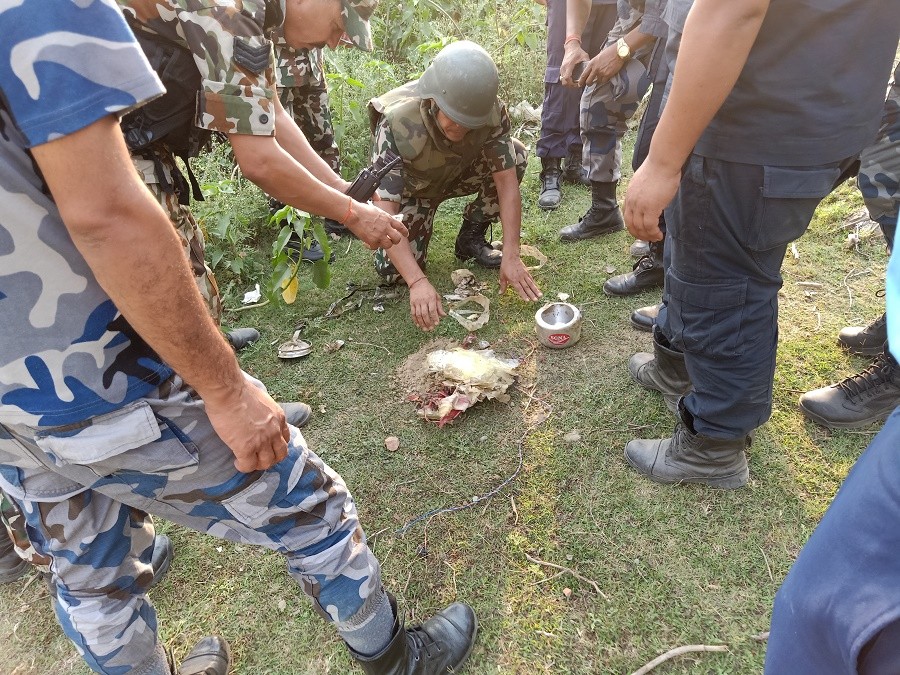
(499,150)
(233,54)
(68,65)
(391,188)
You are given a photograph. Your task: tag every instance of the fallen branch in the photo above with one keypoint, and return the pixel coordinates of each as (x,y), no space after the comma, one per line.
(678,651)
(570,571)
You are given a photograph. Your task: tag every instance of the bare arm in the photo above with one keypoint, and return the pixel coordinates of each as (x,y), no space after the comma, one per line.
(717,40)
(264,161)
(291,138)
(425,304)
(132,249)
(608,63)
(512,269)
(577,14)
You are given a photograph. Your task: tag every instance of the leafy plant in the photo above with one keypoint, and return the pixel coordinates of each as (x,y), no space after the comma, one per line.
(286,261)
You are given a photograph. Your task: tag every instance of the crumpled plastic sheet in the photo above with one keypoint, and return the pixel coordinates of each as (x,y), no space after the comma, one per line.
(470,319)
(468,376)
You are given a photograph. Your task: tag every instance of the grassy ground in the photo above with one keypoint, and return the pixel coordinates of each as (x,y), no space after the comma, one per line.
(673,565)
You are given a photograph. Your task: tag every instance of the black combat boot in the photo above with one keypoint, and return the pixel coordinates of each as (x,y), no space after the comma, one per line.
(867,340)
(439,645)
(161,559)
(644,318)
(858,400)
(210,656)
(603,217)
(551,191)
(647,272)
(573,171)
(470,243)
(639,248)
(12,567)
(663,370)
(688,457)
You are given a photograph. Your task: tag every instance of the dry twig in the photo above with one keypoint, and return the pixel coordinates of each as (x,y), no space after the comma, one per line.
(570,571)
(678,651)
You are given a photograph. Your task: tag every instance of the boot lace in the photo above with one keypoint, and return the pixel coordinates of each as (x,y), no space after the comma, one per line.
(423,642)
(879,372)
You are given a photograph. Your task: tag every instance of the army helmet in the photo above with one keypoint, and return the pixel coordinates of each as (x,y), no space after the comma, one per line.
(463,81)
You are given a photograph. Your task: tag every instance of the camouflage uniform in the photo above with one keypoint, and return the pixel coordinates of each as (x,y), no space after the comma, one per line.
(96,432)
(607,107)
(303,92)
(879,172)
(434,169)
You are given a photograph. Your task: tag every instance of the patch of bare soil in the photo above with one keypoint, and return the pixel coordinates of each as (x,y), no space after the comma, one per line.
(412,374)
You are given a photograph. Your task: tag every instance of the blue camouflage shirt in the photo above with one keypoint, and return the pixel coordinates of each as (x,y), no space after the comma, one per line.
(66,353)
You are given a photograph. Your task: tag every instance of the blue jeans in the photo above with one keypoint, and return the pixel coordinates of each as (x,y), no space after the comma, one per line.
(838,610)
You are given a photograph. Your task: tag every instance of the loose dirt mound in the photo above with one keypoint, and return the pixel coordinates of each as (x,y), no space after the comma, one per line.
(413,375)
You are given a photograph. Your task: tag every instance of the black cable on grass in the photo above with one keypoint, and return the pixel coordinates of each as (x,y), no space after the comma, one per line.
(493,493)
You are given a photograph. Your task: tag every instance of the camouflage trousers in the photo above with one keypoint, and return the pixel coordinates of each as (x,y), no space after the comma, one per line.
(192,241)
(185,225)
(418,214)
(879,171)
(86,491)
(309,107)
(605,111)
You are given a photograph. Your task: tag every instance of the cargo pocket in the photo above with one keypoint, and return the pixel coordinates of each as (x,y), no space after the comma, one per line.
(707,317)
(786,203)
(128,441)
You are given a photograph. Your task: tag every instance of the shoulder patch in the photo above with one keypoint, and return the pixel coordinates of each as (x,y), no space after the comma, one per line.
(254,58)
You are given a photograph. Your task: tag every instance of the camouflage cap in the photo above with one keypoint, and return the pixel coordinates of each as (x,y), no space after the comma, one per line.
(356,21)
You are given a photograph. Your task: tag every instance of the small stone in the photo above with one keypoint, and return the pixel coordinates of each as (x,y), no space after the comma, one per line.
(572,437)
(282,605)
(610,269)
(483,439)
(392,443)
(567,592)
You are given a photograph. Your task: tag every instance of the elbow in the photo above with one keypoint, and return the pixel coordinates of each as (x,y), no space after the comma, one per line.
(255,169)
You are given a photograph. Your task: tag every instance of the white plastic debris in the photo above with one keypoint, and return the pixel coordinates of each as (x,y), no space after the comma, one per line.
(252,296)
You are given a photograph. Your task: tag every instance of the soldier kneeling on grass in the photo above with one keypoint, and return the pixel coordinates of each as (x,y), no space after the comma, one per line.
(454,138)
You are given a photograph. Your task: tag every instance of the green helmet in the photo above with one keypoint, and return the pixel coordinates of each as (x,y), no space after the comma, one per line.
(463,81)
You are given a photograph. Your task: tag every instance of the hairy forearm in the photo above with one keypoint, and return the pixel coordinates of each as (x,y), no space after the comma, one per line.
(266,163)
(295,143)
(577,13)
(131,247)
(717,40)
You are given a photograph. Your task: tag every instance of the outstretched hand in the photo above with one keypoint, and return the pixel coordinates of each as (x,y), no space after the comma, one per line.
(374,227)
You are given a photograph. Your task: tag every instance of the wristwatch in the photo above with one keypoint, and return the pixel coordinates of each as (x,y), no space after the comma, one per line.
(622,49)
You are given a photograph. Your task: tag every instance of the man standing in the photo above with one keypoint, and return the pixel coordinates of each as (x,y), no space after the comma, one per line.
(453,137)
(118,395)
(746,70)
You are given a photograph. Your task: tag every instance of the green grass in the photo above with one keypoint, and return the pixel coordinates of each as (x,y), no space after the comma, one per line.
(676,565)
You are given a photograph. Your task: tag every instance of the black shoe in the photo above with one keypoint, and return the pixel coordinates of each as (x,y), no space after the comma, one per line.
(574,172)
(858,400)
(439,645)
(644,318)
(471,244)
(867,340)
(161,559)
(647,272)
(312,253)
(337,229)
(241,337)
(297,413)
(688,457)
(603,217)
(12,567)
(663,370)
(551,191)
(210,656)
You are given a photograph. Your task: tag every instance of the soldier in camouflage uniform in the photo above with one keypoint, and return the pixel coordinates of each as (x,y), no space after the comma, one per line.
(97,430)
(303,92)
(872,394)
(615,81)
(453,136)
